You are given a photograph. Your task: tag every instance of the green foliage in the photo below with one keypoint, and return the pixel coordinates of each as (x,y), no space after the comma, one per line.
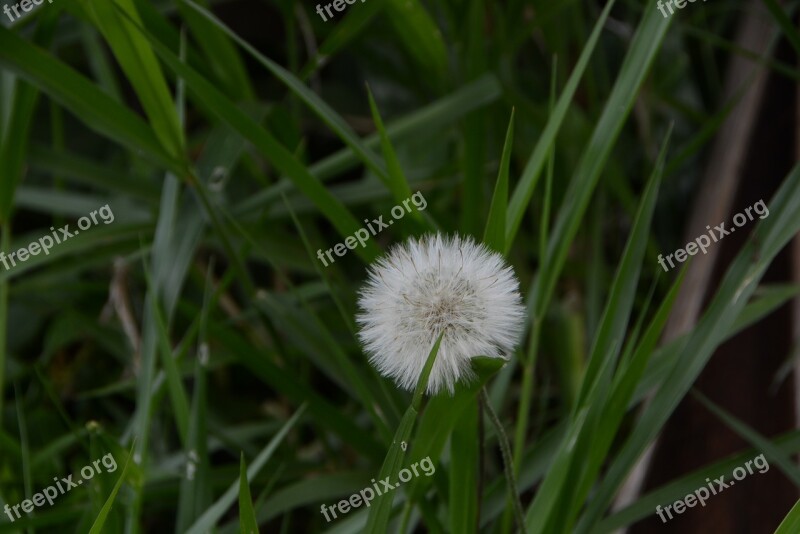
(236,141)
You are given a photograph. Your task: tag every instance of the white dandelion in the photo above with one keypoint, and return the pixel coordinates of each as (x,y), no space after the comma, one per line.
(435,284)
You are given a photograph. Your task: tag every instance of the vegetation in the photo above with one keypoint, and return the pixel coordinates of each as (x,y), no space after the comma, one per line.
(199,339)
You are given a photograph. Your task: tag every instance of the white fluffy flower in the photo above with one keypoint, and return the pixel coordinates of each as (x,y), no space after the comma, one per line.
(423,287)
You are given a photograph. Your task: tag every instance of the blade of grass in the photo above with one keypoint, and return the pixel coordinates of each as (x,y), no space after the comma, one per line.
(5,239)
(141,68)
(783,20)
(312,336)
(473,138)
(420,36)
(388,401)
(288,384)
(15,134)
(225,60)
(177,393)
(82,97)
(247,516)
(440,416)
(24,444)
(398,184)
(772,451)
(195,487)
(790,523)
(99,523)
(495,233)
(209,519)
(344,32)
(622,390)
(463,471)
(544,221)
(677,489)
(508,461)
(530,175)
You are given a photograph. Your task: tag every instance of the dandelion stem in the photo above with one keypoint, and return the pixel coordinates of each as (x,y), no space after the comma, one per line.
(505,449)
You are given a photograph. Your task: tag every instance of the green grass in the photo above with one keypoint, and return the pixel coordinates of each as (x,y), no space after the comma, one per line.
(199,339)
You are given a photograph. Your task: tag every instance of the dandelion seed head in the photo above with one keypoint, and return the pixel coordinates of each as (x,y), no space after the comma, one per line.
(437,284)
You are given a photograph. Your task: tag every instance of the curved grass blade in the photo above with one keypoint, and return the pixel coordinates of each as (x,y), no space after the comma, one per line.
(83,98)
(177,392)
(299,391)
(774,453)
(141,68)
(344,32)
(21,99)
(436,116)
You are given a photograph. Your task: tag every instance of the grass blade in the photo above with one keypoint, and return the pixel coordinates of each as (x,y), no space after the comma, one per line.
(495,234)
(790,523)
(464,453)
(527,183)
(773,452)
(83,98)
(141,67)
(247,516)
(97,527)
(677,489)
(208,520)
(398,184)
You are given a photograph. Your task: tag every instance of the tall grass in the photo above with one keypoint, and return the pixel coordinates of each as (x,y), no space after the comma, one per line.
(198,339)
